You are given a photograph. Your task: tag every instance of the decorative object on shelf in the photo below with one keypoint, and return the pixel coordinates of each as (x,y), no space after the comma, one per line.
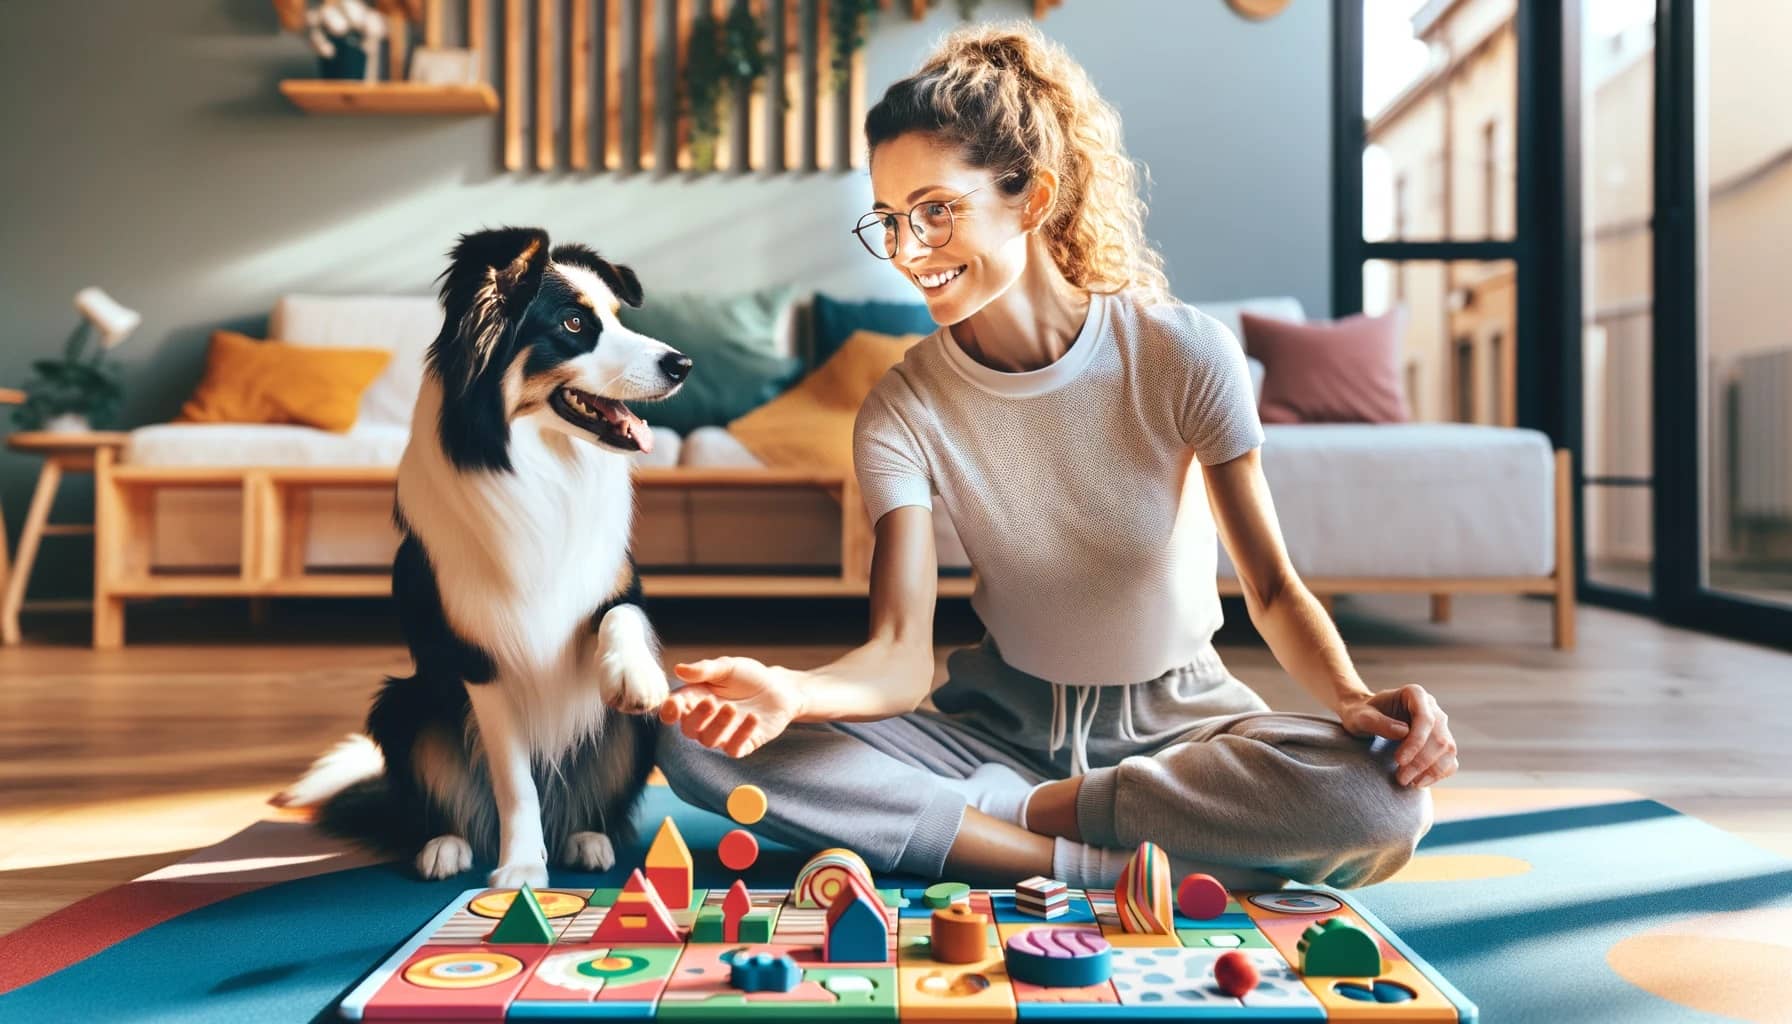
(68,395)
(1258,10)
(437,65)
(343,33)
(720,54)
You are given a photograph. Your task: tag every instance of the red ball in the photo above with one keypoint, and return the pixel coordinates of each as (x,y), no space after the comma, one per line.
(738,850)
(1201,897)
(1234,973)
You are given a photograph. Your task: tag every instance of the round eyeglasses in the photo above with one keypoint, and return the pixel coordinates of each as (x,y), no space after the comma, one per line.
(931,220)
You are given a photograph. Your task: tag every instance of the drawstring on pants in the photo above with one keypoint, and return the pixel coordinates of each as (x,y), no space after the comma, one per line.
(1088,701)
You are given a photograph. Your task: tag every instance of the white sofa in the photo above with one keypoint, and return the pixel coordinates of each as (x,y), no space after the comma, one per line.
(1357,503)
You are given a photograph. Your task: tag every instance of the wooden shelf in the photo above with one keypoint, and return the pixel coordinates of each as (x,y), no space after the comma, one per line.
(328,96)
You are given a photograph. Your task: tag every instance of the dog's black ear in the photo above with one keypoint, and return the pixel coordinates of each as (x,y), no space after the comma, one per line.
(492,277)
(620,279)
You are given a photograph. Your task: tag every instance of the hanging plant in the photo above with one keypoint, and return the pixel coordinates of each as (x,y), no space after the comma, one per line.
(846,27)
(967,9)
(717,56)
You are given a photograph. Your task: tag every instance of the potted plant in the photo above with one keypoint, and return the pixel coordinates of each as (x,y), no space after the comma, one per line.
(718,55)
(71,394)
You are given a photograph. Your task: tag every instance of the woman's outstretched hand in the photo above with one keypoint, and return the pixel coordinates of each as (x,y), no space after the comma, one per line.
(735,705)
(1427,751)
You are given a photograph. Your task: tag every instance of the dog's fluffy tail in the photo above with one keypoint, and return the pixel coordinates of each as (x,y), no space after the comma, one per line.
(353,761)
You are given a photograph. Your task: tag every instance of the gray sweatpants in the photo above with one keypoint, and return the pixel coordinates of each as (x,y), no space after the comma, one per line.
(1192,760)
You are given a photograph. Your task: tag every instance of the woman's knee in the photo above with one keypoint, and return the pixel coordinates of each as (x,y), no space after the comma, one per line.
(1382,821)
(697,774)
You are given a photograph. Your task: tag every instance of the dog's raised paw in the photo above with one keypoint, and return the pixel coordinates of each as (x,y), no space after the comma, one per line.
(589,851)
(443,857)
(633,684)
(515,876)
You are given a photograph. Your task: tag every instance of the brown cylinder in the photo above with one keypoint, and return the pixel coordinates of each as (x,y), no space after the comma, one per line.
(960,935)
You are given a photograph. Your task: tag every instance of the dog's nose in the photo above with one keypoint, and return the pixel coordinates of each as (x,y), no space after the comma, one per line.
(675,365)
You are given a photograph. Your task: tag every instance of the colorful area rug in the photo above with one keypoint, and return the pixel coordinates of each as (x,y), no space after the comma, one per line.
(1540,905)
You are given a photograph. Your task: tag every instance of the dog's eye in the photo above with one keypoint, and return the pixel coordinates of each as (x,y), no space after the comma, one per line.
(573,324)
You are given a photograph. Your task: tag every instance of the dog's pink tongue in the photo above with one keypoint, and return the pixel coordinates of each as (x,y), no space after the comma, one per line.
(638,430)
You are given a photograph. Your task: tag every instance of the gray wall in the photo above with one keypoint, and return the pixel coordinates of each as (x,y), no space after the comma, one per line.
(143,148)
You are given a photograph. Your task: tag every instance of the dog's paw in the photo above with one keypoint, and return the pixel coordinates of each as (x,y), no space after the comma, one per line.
(515,876)
(443,857)
(589,851)
(632,682)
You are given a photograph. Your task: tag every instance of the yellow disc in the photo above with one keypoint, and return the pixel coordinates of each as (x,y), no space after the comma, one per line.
(473,969)
(746,804)
(554,904)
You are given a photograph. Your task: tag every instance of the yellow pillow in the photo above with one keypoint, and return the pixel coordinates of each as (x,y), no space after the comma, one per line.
(810,426)
(249,381)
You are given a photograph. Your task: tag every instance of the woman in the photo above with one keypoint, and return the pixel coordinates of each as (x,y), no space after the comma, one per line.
(1069,417)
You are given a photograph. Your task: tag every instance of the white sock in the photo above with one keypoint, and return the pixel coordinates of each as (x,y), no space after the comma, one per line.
(995,789)
(1082,866)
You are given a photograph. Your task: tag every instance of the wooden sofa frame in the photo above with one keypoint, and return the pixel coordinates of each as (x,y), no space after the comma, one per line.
(276,507)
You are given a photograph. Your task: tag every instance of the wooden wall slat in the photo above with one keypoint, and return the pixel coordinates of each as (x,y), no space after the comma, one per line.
(477,23)
(544,84)
(825,122)
(610,83)
(629,75)
(917,9)
(718,9)
(513,85)
(398,45)
(644,65)
(686,18)
(432,23)
(578,86)
(665,85)
(740,117)
(771,154)
(811,28)
(852,128)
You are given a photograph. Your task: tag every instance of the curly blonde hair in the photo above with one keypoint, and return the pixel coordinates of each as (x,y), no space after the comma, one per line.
(1016,103)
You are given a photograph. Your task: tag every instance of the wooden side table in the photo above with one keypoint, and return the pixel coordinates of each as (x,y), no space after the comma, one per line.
(62,453)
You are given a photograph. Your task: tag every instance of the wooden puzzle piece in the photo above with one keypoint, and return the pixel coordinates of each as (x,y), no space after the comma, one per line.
(930,990)
(454,982)
(633,975)
(701,988)
(637,916)
(1142,893)
(523,921)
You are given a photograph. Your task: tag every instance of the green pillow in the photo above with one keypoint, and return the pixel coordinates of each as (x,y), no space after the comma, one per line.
(733,344)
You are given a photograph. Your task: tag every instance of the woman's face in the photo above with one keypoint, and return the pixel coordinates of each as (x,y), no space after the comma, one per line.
(986,250)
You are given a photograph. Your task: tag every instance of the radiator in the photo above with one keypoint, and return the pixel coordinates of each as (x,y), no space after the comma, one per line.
(1761,446)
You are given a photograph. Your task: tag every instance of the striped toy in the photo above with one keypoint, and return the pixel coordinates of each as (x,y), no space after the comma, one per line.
(1142,893)
(825,876)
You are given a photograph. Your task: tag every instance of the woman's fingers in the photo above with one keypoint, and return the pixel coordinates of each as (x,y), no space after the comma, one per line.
(707,708)
(680,703)
(1423,713)
(712,732)
(736,740)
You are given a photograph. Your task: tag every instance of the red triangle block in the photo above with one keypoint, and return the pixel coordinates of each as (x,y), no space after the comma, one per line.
(638,915)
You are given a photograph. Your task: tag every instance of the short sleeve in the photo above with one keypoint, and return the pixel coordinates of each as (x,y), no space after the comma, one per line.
(1218,414)
(887,456)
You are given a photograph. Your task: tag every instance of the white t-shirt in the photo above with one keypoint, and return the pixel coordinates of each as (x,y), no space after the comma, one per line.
(1095,558)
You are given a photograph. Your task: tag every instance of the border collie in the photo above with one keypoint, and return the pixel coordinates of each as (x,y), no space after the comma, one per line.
(523,729)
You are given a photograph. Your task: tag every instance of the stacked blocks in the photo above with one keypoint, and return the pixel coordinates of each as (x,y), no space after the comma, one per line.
(669,867)
(1142,893)
(1336,948)
(1042,897)
(1059,957)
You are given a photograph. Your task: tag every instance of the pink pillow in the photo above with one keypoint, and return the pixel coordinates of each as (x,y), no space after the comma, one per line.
(1345,371)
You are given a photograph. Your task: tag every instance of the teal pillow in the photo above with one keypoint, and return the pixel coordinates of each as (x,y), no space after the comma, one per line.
(836,320)
(733,344)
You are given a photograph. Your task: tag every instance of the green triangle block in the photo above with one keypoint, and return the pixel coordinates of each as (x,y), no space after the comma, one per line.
(524,922)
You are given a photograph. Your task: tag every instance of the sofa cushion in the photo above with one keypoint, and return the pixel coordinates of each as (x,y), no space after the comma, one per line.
(402,324)
(250,381)
(836,320)
(738,345)
(1345,371)
(1411,500)
(811,424)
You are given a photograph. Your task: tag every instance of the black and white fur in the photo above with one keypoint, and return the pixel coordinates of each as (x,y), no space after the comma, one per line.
(523,729)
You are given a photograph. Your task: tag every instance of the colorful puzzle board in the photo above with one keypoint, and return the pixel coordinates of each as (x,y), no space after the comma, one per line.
(446,972)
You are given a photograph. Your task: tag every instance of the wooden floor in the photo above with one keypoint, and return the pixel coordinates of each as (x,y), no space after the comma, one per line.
(113,764)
